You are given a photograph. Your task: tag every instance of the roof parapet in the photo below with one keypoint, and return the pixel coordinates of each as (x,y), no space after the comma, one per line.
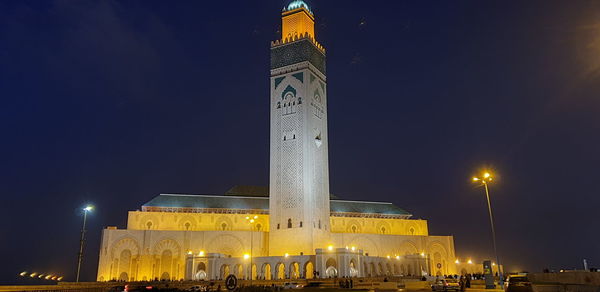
(297,37)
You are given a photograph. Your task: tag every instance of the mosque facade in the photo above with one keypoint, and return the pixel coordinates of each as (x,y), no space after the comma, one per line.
(294,228)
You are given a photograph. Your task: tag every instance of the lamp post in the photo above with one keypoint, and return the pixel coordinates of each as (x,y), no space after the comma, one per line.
(251,221)
(87,209)
(485,180)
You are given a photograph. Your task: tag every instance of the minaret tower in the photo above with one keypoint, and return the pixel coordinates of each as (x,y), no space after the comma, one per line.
(299,171)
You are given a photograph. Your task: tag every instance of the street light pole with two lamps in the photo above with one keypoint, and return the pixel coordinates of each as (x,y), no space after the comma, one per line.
(251,220)
(87,209)
(485,180)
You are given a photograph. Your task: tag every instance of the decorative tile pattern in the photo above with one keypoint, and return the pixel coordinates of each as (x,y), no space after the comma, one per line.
(296,52)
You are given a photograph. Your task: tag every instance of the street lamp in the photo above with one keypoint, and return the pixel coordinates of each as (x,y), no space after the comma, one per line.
(87,209)
(251,220)
(485,180)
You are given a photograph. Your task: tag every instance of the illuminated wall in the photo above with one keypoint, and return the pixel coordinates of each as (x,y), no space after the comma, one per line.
(297,22)
(379,226)
(138,220)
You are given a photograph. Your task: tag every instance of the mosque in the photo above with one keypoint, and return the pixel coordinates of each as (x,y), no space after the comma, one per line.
(294,228)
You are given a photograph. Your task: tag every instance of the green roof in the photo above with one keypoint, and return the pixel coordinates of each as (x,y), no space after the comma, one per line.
(231,201)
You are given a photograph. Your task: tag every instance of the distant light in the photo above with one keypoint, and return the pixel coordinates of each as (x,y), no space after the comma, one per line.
(33,275)
(22,274)
(470,262)
(54,278)
(48,277)
(246,256)
(486,175)
(353,248)
(88,208)
(247,217)
(40,276)
(475,179)
(251,220)
(423,254)
(201,253)
(397,257)
(59,278)
(330,247)
(388,257)
(493,264)
(457,261)
(255,217)
(189,252)
(286,255)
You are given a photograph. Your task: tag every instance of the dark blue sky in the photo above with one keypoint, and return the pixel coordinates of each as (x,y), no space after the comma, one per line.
(113,102)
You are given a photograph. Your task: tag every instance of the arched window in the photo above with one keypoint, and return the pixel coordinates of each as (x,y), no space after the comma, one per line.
(277,225)
(149,224)
(290,223)
(319,224)
(223,226)
(258,227)
(300,223)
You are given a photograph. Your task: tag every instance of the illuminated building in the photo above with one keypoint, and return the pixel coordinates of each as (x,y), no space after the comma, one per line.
(297,228)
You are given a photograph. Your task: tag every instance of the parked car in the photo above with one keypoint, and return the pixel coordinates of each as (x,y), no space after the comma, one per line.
(445,285)
(292,286)
(518,283)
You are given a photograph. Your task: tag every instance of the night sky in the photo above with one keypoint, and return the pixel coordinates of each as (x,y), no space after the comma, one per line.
(114,102)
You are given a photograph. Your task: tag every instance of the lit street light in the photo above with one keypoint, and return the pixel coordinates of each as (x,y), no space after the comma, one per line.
(251,220)
(484,180)
(87,209)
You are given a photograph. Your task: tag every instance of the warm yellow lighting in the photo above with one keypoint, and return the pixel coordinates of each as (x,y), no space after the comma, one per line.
(54,278)
(48,277)
(189,252)
(286,255)
(251,220)
(297,22)
(353,248)
(201,253)
(457,261)
(40,276)
(255,217)
(59,278)
(470,262)
(33,275)
(493,264)
(246,256)
(330,247)
(486,175)
(22,274)
(247,217)
(388,257)
(475,179)
(422,254)
(88,208)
